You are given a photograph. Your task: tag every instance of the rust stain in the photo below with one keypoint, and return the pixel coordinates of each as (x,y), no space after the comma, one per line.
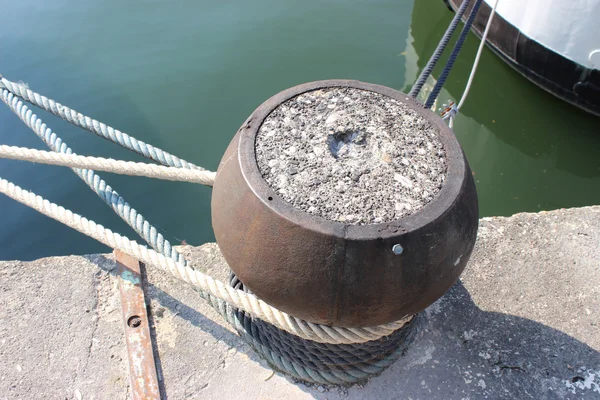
(142,369)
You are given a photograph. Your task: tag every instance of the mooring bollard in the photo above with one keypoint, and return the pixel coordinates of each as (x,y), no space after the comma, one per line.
(345,203)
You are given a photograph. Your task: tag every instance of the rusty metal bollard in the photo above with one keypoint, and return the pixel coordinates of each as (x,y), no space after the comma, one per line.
(328,272)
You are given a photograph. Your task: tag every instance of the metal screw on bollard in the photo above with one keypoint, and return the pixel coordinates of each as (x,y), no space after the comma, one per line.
(397,249)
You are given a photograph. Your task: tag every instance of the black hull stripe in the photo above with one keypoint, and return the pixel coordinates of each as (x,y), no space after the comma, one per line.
(564,78)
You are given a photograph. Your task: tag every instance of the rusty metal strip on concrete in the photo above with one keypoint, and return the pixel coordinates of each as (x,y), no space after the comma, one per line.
(142,367)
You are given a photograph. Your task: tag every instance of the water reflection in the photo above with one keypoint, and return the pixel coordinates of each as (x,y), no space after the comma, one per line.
(529,150)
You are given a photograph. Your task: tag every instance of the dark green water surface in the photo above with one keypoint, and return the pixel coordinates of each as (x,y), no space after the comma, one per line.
(184,75)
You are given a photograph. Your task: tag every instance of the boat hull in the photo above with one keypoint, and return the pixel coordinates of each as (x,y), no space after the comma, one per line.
(556,73)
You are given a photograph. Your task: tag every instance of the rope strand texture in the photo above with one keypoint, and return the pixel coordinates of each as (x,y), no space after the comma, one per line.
(439,50)
(108,165)
(237,298)
(453,56)
(117,203)
(96,127)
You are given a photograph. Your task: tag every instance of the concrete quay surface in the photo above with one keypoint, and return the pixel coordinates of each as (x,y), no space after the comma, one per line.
(522,323)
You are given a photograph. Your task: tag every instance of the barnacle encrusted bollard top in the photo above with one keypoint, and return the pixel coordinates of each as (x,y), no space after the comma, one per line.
(345,203)
(351,155)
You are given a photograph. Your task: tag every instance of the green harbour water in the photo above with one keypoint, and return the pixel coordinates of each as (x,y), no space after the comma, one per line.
(184,75)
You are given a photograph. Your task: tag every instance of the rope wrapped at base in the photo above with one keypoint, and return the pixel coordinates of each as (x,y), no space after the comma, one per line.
(316,362)
(328,374)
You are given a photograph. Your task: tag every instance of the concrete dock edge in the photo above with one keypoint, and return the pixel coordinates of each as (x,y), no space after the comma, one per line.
(522,323)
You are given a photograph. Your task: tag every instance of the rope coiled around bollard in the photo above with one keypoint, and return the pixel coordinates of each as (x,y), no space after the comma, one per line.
(331,363)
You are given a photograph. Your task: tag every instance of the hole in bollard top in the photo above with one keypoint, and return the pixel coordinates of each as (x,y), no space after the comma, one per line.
(351,155)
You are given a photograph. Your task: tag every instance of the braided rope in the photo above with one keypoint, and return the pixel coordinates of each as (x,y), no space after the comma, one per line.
(331,373)
(339,353)
(96,127)
(453,56)
(350,363)
(108,165)
(237,298)
(281,356)
(93,180)
(439,50)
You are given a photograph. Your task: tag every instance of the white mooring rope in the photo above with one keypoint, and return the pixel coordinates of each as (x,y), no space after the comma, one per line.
(478,56)
(454,110)
(90,124)
(108,165)
(238,298)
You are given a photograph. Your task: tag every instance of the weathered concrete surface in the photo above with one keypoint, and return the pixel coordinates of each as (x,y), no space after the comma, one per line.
(351,155)
(61,333)
(523,323)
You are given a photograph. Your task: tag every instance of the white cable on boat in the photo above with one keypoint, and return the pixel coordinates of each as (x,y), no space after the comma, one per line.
(475,63)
